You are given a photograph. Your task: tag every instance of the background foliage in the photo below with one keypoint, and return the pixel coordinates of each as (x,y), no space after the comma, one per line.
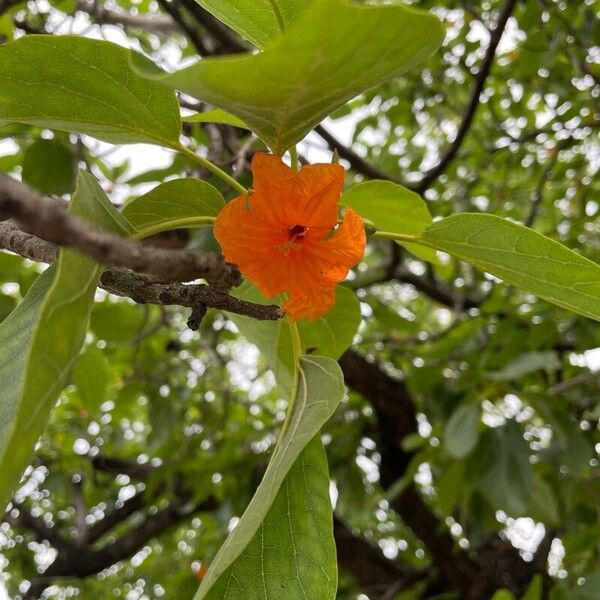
(463,460)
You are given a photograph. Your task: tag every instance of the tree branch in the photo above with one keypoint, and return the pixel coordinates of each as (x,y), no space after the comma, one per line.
(473,104)
(82,562)
(142,289)
(145,290)
(48,220)
(172,7)
(358,163)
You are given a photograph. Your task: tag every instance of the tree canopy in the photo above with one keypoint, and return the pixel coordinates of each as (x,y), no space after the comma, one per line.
(167,431)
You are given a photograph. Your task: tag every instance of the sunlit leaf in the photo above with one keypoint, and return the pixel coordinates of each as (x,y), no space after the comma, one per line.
(392,208)
(522,257)
(292,554)
(329,335)
(256,20)
(332,52)
(85,86)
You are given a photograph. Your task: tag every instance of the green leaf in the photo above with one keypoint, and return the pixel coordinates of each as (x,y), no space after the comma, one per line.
(216,115)
(320,390)
(503,595)
(42,339)
(501,470)
(49,167)
(331,53)
(522,257)
(85,86)
(534,589)
(255,20)
(292,555)
(329,335)
(91,376)
(543,504)
(117,322)
(526,363)
(174,204)
(392,208)
(460,435)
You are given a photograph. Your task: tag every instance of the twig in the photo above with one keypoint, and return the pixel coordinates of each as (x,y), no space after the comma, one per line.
(145,290)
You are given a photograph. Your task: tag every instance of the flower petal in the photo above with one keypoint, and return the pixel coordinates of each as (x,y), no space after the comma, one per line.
(342,250)
(319,191)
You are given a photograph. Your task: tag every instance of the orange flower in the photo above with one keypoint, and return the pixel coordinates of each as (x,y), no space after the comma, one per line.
(283,235)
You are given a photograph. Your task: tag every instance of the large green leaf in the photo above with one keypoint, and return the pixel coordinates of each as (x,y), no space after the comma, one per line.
(522,257)
(292,555)
(320,389)
(329,335)
(42,339)
(329,54)
(174,204)
(86,86)
(256,20)
(392,208)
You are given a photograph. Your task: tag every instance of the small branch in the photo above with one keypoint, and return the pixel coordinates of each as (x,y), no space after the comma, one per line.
(471,109)
(106,16)
(48,220)
(145,290)
(538,193)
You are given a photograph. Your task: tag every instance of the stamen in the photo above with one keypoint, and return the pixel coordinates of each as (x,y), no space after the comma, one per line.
(297,231)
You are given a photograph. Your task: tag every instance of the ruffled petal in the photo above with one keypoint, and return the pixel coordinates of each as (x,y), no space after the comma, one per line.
(308,197)
(342,250)
(319,188)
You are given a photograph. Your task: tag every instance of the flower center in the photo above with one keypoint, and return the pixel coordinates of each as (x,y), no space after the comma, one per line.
(296,234)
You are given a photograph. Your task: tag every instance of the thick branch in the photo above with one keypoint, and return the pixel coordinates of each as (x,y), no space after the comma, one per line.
(48,220)
(173,8)
(396,418)
(140,288)
(473,104)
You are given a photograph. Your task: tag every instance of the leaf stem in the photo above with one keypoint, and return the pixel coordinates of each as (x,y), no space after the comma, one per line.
(190,222)
(401,237)
(294,157)
(297,354)
(207,164)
